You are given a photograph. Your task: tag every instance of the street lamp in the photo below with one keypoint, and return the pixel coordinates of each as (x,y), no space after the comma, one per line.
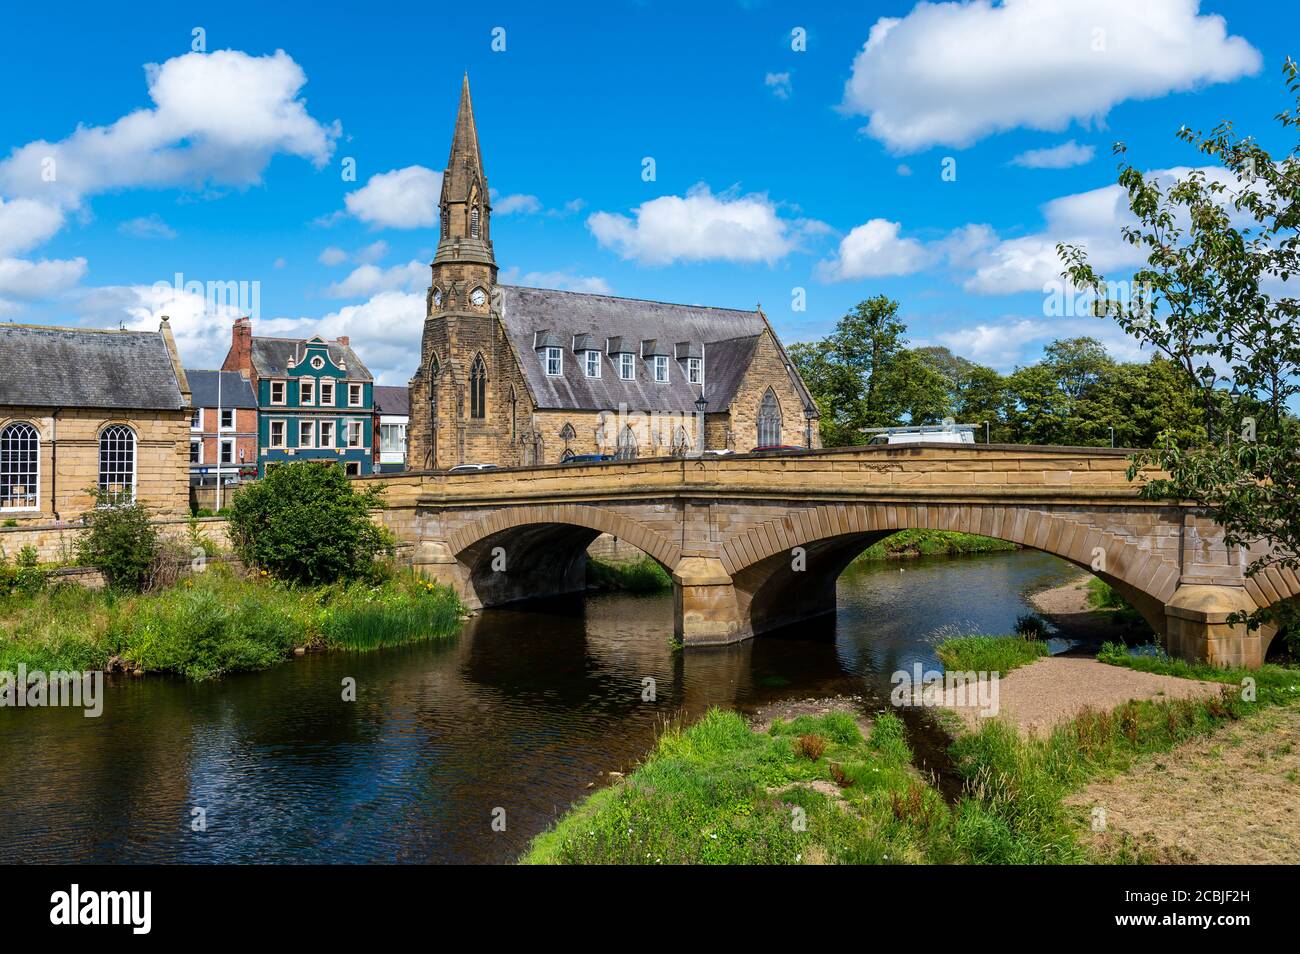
(701,403)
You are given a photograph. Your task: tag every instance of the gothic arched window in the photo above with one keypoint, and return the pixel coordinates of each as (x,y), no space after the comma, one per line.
(117,464)
(769,420)
(20,450)
(473,222)
(626,444)
(478,388)
(681,441)
(567,433)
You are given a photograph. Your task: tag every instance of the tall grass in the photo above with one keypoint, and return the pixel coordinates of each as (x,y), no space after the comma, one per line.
(643,576)
(218,622)
(1274,685)
(989,653)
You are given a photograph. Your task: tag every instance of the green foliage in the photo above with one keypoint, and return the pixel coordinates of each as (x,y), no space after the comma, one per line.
(989,653)
(1274,685)
(1030,626)
(930,542)
(1101,595)
(121,542)
(361,616)
(643,576)
(1208,299)
(25,577)
(307,523)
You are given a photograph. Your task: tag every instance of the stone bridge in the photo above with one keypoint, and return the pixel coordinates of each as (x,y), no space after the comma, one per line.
(754,543)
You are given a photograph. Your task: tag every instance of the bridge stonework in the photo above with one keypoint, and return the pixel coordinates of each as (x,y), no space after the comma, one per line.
(756,543)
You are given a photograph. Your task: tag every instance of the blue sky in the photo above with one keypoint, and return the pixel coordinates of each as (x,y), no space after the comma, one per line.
(776,168)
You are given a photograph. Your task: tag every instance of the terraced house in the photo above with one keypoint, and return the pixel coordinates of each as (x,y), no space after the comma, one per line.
(82,410)
(315,399)
(518,376)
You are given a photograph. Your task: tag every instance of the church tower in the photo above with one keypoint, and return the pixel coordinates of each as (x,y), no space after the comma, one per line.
(453,391)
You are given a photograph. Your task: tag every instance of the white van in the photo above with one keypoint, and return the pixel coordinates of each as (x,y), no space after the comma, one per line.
(927,434)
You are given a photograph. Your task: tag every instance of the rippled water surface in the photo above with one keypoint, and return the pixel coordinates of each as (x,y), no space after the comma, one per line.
(521,711)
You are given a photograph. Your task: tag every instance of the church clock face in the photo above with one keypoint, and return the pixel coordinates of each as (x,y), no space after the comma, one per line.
(478,297)
(437,298)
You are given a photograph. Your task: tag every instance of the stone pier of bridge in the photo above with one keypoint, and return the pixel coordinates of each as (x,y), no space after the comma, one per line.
(756,543)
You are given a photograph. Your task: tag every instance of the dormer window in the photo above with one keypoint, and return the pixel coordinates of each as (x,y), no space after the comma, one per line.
(695,370)
(627,366)
(661,368)
(593,363)
(553,361)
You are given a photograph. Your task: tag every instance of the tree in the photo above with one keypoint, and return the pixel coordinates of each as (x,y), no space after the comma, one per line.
(1078,364)
(1219,247)
(307,523)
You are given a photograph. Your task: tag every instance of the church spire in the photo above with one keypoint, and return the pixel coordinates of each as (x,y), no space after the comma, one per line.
(465,208)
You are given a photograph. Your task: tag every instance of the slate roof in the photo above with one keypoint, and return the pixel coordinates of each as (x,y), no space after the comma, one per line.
(271,357)
(728,336)
(236,390)
(84,367)
(391,400)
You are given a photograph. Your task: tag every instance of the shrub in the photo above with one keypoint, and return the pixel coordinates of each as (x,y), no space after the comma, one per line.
(810,746)
(307,523)
(25,577)
(1030,626)
(121,542)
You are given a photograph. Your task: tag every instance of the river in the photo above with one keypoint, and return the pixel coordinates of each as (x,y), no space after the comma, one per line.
(511,720)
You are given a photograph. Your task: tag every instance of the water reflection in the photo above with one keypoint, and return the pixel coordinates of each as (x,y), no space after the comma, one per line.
(522,711)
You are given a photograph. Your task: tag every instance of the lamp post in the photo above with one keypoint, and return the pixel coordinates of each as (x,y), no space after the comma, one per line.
(810,414)
(1112,435)
(701,403)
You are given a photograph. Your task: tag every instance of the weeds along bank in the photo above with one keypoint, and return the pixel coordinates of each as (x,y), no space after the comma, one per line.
(822,790)
(217,622)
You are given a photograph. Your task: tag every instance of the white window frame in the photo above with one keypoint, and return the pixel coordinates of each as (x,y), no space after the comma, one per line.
(321,401)
(37,494)
(360,432)
(333,440)
(661,364)
(352,468)
(627,366)
(308,397)
(695,370)
(226,442)
(284,433)
(549,354)
(196,428)
(284,392)
(592,364)
(196,442)
(135,460)
(360,391)
(221,414)
(399,430)
(311,434)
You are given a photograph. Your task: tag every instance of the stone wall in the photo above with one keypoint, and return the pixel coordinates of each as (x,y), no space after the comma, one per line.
(768,370)
(57,542)
(69,459)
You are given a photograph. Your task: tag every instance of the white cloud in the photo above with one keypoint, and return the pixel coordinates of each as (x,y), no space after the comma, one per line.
(399,199)
(370,279)
(217,118)
(517,205)
(147,227)
(871,250)
(28,281)
(385,331)
(1008,342)
(779,84)
(1064,156)
(563,280)
(699,227)
(26,223)
(952,73)
(374,252)
(332,256)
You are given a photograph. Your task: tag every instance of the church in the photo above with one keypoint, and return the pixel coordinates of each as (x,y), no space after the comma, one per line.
(519,376)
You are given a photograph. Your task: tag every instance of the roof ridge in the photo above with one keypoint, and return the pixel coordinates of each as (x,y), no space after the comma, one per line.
(78,328)
(646,301)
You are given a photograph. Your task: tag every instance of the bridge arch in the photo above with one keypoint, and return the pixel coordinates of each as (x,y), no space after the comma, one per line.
(515,553)
(771,592)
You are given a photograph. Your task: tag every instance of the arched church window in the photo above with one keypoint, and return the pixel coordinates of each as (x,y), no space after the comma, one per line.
(478,388)
(627,448)
(473,222)
(769,420)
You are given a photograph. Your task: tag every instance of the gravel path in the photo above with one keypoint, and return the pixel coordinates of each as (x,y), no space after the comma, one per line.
(1044,693)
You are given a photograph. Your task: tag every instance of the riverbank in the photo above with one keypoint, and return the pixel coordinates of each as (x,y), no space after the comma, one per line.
(914,543)
(823,782)
(1092,614)
(216,622)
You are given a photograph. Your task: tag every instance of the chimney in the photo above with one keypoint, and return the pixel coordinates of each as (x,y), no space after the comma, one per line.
(343,340)
(240,356)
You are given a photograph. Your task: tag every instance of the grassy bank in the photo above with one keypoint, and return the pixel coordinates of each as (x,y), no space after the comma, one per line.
(644,576)
(909,543)
(989,653)
(1274,685)
(217,622)
(816,790)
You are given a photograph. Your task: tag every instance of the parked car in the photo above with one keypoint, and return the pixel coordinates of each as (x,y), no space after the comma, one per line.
(471,468)
(777,449)
(719,452)
(587,458)
(927,434)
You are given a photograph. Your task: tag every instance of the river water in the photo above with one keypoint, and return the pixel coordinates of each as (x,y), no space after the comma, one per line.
(513,718)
